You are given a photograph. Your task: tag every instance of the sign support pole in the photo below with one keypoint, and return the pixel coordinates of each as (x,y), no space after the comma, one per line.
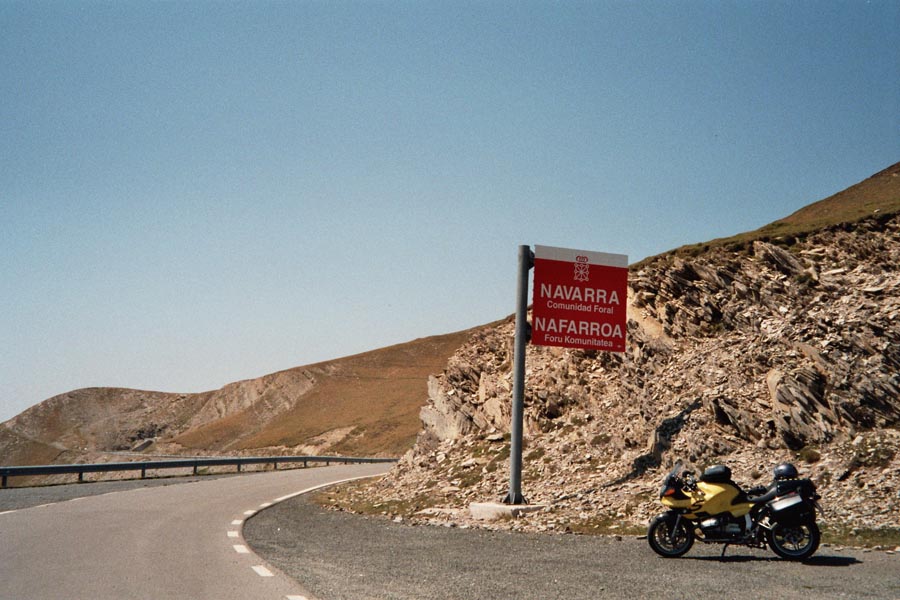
(526,262)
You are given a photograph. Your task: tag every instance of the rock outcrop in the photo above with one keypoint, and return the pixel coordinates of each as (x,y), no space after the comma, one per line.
(746,354)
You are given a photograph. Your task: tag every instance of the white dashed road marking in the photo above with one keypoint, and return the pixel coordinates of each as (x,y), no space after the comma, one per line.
(261,570)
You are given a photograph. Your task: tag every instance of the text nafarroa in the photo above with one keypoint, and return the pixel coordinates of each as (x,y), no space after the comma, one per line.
(573,327)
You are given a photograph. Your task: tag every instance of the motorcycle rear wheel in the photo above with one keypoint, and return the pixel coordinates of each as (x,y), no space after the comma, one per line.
(794,542)
(667,542)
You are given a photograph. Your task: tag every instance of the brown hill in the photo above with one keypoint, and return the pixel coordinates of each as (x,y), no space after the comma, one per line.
(365,404)
(748,351)
(876,195)
(880,193)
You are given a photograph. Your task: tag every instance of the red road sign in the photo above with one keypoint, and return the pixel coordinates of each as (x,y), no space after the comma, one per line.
(580,299)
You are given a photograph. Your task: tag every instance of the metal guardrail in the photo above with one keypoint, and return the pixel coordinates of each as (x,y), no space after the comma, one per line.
(192,463)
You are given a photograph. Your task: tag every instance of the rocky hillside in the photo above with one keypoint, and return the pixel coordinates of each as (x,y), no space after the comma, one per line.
(366,404)
(747,352)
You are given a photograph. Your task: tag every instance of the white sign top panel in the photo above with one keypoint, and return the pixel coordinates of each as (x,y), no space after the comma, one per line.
(569,255)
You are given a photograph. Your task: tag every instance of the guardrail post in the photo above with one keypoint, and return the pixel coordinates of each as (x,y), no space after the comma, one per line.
(4,481)
(275,466)
(195,467)
(143,472)
(305,465)
(80,476)
(239,467)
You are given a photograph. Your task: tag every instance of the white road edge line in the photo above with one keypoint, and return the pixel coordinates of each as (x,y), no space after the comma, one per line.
(237,522)
(262,571)
(289,496)
(234,534)
(317,487)
(241,549)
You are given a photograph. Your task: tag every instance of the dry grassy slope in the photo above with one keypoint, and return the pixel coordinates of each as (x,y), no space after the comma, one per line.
(364,404)
(878,194)
(370,401)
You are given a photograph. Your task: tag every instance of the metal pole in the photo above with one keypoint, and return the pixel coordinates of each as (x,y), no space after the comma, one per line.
(526,261)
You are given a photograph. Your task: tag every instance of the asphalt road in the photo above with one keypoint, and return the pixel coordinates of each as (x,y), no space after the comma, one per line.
(15,498)
(338,556)
(156,542)
(183,538)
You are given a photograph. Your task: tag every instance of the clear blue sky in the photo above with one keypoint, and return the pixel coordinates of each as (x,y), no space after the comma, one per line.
(193,193)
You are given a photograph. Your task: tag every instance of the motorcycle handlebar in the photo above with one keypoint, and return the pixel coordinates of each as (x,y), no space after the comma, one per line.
(690,482)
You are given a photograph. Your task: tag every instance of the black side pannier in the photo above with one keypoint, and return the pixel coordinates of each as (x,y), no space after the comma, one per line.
(791,505)
(804,487)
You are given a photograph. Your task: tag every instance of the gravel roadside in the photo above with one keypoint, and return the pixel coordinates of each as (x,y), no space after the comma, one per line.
(340,556)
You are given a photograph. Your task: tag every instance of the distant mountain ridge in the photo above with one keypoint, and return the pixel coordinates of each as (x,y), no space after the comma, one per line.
(363,404)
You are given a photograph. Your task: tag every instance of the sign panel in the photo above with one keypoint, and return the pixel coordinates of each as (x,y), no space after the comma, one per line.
(579,299)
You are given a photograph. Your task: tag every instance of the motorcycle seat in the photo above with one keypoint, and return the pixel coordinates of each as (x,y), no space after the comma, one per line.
(716,474)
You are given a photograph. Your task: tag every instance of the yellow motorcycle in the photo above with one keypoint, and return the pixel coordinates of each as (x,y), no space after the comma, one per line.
(714,509)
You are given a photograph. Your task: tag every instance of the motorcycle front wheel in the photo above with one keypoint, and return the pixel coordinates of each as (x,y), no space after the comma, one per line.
(666,539)
(794,542)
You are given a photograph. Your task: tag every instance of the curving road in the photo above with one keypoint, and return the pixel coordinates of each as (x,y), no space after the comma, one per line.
(165,540)
(341,556)
(172,542)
